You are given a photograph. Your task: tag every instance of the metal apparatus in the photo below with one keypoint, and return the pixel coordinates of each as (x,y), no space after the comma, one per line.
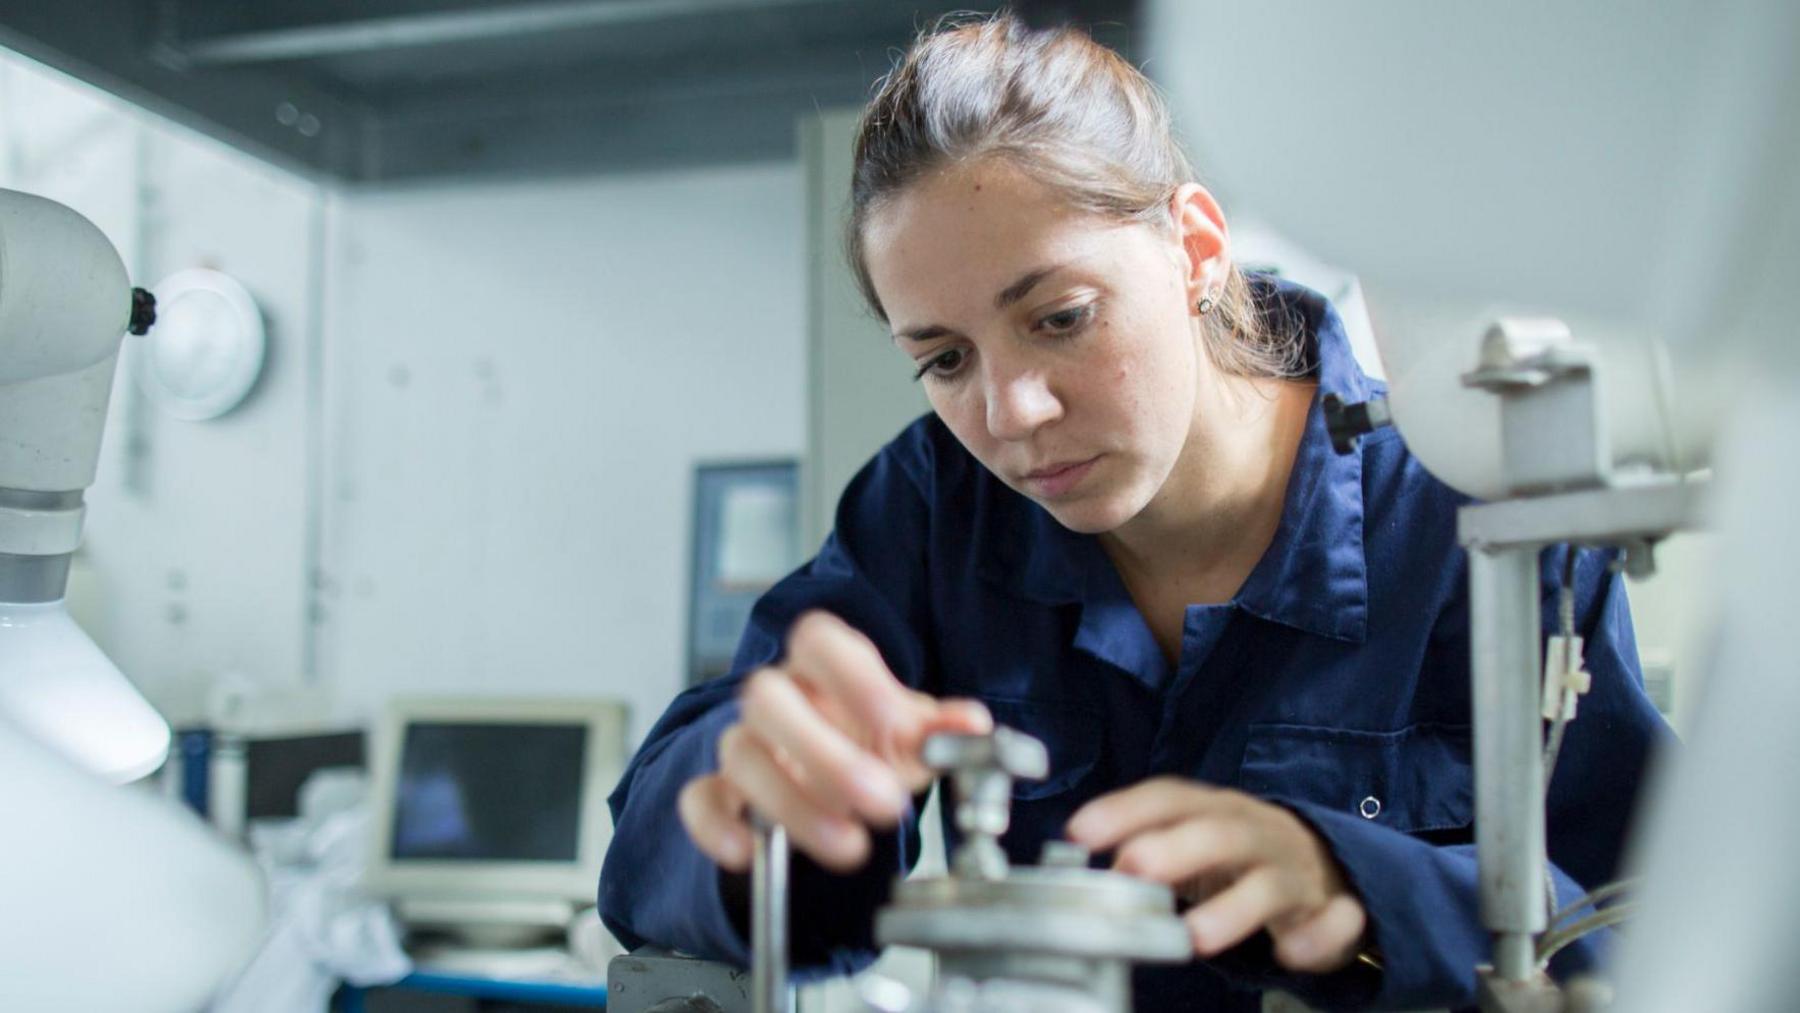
(1563,487)
(1561,479)
(84,928)
(1057,936)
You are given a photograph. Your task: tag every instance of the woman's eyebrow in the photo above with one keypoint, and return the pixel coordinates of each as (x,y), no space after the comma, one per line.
(925,333)
(1019,289)
(1008,295)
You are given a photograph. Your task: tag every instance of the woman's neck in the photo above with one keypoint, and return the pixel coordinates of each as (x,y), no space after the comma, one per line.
(1221,505)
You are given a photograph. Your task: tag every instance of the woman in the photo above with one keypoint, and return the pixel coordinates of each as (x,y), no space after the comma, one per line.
(1122,530)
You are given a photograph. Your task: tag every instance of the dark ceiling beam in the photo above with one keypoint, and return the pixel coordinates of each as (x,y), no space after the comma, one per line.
(739,113)
(564,139)
(437,28)
(110,44)
(842,74)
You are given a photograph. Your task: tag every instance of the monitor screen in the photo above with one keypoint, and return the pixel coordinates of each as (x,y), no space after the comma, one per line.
(489,791)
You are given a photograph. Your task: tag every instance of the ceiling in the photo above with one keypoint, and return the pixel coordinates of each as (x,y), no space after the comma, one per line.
(375,91)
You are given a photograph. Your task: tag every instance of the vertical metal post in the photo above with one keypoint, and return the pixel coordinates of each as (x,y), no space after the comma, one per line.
(769,921)
(1509,806)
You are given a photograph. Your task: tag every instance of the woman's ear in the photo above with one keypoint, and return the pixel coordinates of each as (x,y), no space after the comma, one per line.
(1205,241)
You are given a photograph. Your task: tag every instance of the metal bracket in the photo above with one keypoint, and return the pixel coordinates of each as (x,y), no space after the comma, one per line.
(1613,515)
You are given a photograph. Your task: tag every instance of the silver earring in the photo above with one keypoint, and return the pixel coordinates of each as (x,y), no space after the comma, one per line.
(1206,305)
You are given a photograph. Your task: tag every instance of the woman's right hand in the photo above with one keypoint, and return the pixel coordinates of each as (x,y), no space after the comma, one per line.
(828,744)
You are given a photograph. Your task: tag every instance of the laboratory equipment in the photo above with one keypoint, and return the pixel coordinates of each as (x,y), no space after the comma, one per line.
(1057,937)
(488,815)
(237,776)
(65,304)
(113,900)
(1595,245)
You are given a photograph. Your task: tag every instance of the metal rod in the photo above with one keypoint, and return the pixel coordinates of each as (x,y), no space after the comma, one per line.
(1509,805)
(769,921)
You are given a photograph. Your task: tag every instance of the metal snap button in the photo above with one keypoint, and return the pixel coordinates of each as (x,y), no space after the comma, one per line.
(1370,808)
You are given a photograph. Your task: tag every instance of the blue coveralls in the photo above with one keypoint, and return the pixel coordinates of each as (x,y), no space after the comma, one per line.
(1339,674)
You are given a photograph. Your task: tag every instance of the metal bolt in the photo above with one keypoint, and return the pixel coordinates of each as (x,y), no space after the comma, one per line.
(982,769)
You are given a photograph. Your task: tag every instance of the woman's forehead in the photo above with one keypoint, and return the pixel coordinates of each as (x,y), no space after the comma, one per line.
(941,244)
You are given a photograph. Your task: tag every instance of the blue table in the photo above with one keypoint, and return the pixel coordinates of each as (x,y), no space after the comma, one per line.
(350,998)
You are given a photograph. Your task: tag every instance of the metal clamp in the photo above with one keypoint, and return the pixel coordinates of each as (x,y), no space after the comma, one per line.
(982,769)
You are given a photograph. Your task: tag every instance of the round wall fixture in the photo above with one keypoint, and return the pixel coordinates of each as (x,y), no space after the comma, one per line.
(206,350)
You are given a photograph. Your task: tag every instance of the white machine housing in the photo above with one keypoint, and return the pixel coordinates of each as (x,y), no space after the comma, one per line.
(65,304)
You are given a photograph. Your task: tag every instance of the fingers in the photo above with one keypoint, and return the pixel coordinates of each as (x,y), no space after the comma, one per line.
(836,842)
(843,675)
(846,778)
(1239,910)
(962,717)
(1189,850)
(844,665)
(1325,941)
(828,741)
(1256,865)
(1109,819)
(712,812)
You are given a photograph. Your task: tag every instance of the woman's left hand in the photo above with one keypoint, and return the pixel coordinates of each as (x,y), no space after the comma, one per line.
(1244,864)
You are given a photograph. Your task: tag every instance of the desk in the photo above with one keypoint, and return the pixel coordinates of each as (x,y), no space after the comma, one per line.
(434,990)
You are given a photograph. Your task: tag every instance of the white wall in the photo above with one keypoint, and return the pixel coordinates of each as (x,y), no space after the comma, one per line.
(467,467)
(521,381)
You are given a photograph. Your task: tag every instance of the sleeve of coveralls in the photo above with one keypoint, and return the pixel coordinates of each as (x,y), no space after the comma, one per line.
(656,886)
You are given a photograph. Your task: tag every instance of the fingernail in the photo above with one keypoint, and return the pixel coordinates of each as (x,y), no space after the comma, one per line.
(1202,930)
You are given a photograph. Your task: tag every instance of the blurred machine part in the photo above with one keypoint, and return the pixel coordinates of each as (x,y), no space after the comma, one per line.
(1057,937)
(65,303)
(1616,188)
(113,899)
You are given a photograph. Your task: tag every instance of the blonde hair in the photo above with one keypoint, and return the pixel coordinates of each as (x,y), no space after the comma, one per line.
(1069,112)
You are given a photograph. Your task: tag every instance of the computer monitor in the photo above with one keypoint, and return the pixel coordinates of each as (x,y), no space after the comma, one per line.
(488,815)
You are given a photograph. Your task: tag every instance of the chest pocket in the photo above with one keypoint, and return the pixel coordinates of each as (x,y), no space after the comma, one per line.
(1417,780)
(1070,734)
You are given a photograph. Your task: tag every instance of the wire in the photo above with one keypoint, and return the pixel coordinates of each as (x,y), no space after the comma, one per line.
(1552,943)
(1594,898)
(1565,621)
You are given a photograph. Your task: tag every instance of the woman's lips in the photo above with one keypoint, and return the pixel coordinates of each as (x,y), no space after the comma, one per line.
(1050,483)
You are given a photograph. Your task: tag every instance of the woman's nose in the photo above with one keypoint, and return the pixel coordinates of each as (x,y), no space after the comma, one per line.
(1018,403)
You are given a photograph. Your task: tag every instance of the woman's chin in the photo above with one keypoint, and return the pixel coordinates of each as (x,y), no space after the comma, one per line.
(1093,515)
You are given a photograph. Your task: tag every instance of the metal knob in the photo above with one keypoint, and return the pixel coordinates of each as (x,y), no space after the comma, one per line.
(982,769)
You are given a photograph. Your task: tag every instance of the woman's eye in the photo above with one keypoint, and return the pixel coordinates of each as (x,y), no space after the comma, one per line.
(943,364)
(1066,321)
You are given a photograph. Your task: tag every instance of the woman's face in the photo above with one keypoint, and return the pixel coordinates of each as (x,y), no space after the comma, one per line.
(1059,346)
